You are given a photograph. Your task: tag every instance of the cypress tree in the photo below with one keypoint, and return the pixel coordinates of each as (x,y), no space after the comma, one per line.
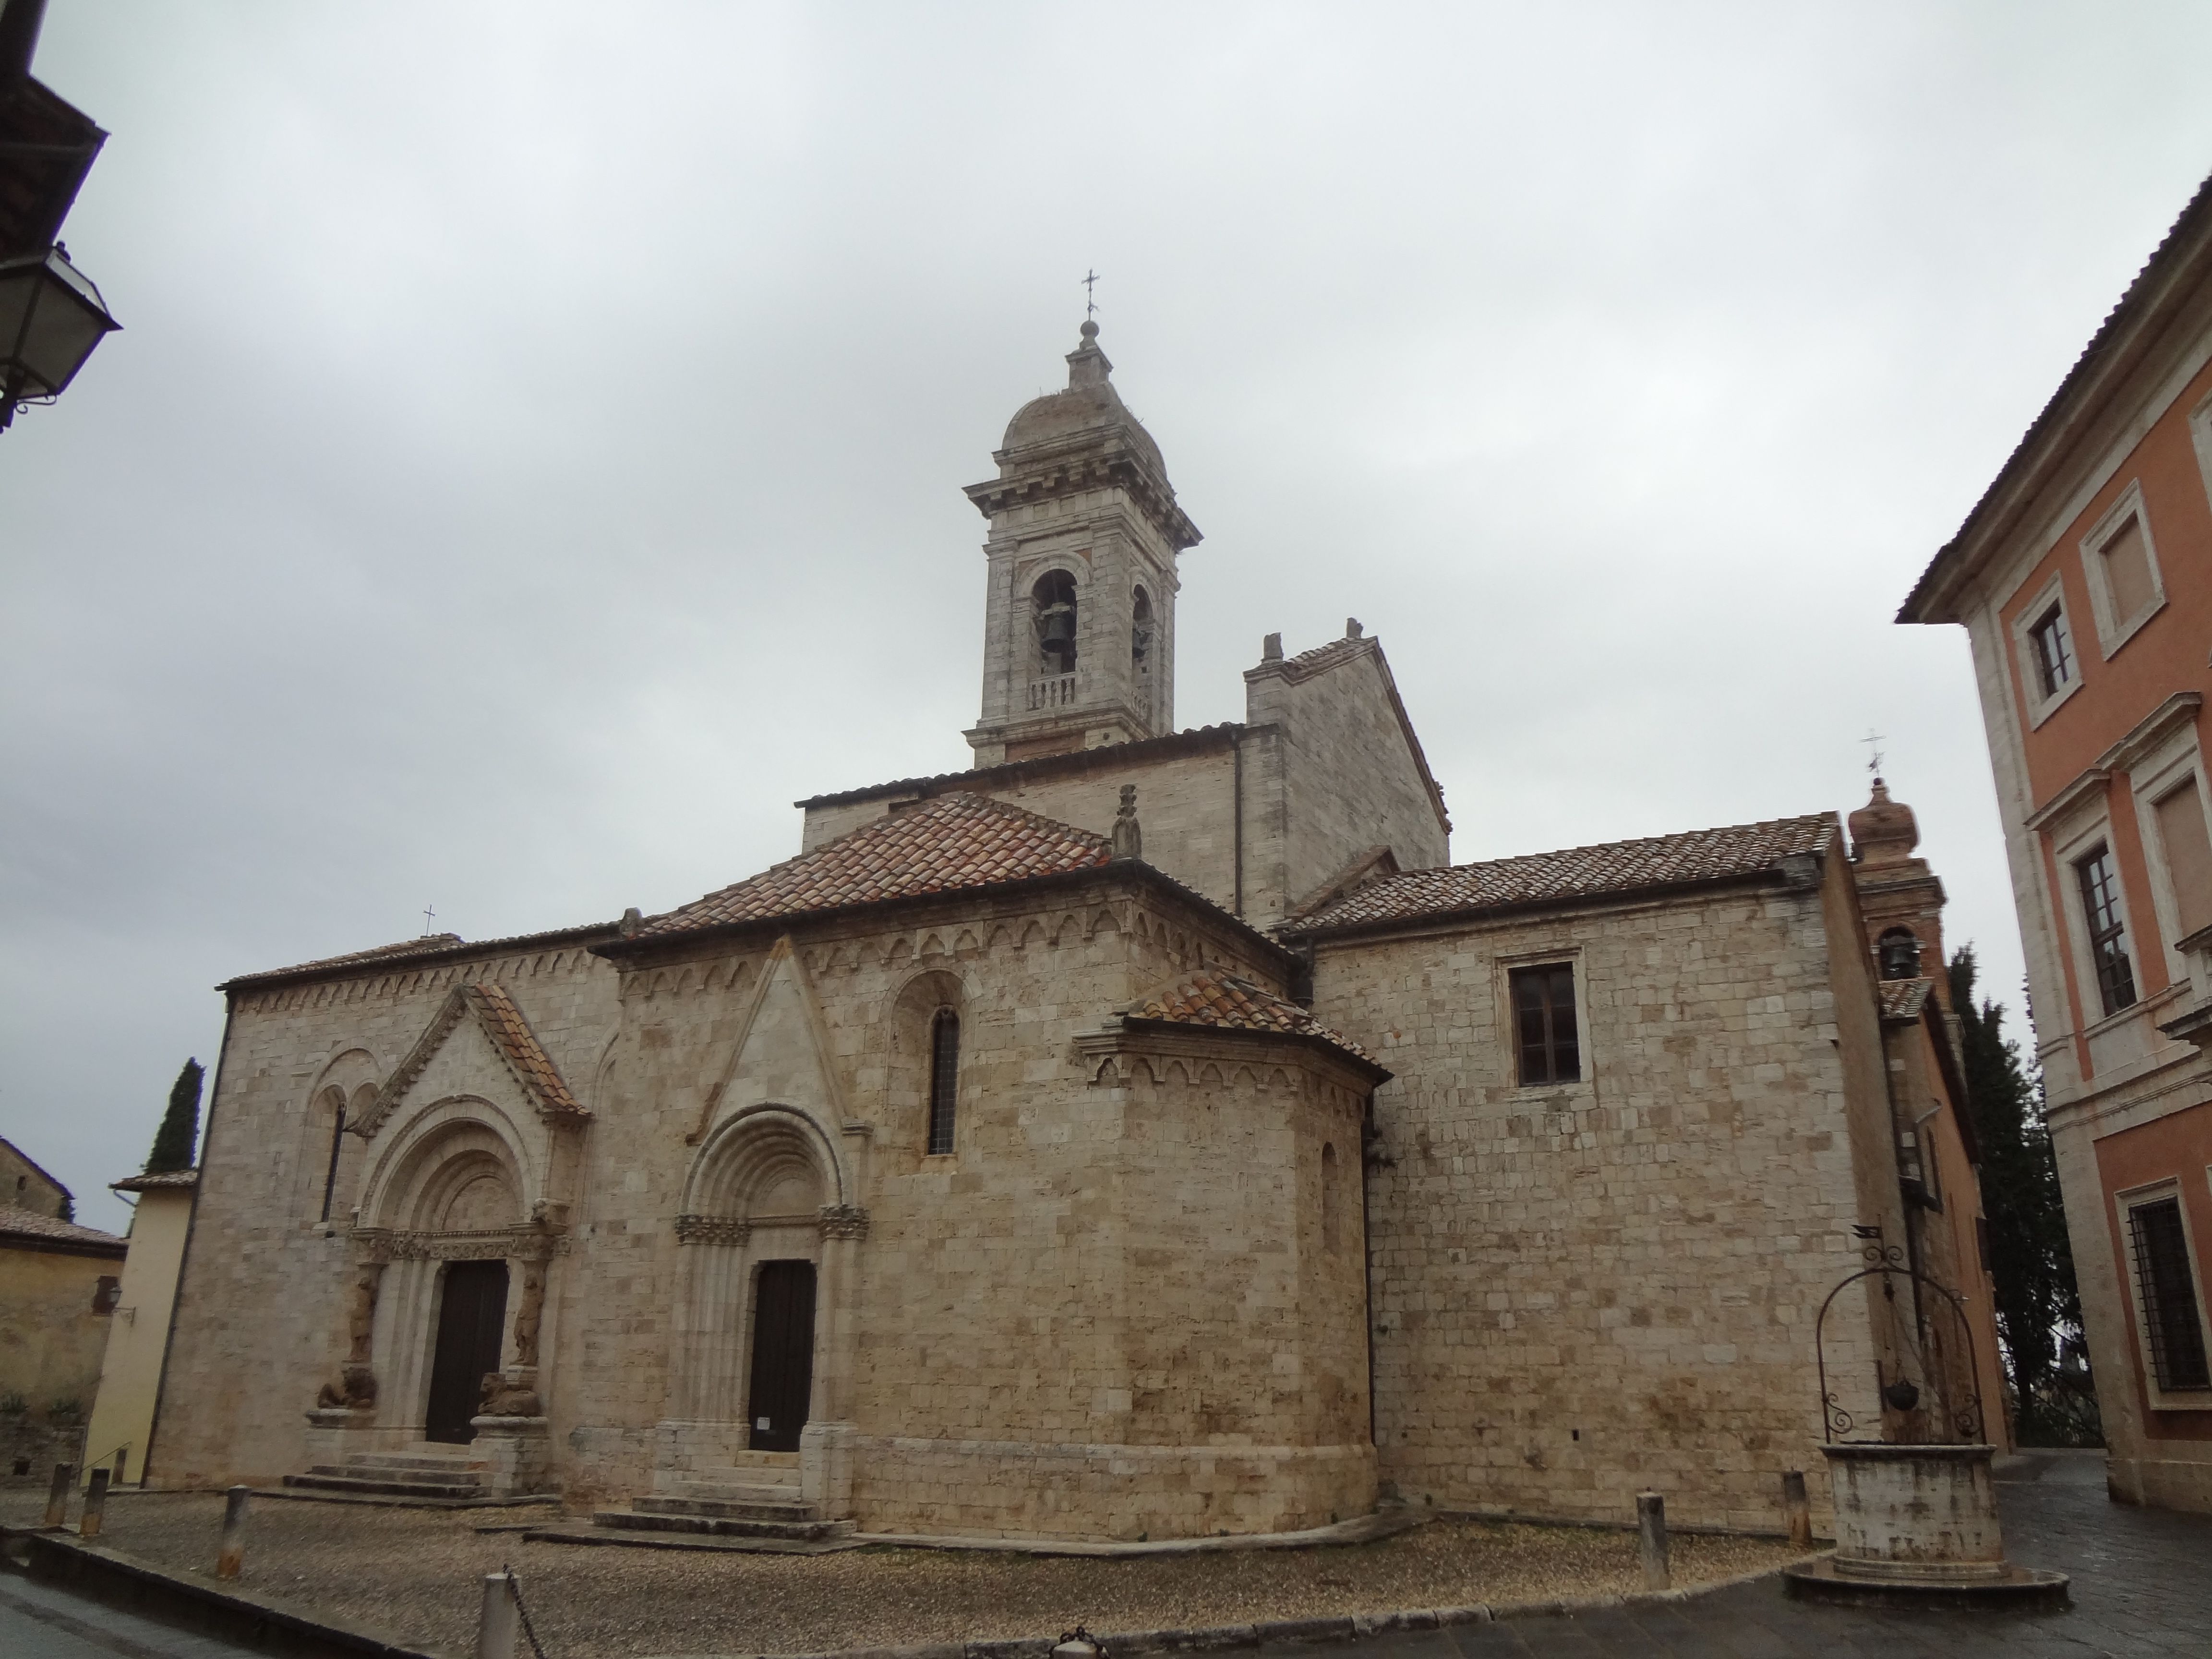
(180,1125)
(2039,1310)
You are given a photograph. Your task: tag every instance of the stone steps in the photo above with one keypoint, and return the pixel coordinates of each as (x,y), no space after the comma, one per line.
(688,1519)
(774,1505)
(420,1471)
(364,1486)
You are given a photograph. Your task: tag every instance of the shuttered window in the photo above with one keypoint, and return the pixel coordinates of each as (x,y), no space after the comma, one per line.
(2188,851)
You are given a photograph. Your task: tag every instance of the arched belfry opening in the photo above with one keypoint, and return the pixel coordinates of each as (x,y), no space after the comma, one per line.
(1898,952)
(1053,607)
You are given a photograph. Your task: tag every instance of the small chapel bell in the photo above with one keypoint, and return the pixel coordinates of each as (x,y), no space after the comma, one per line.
(1056,625)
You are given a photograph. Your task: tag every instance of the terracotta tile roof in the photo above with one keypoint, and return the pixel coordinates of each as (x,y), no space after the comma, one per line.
(953,842)
(503,1025)
(430,947)
(1576,873)
(30,1224)
(156,1183)
(1225,1002)
(511,1035)
(1905,999)
(1112,755)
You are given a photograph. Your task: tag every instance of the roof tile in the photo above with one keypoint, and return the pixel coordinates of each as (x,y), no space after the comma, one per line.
(29,1223)
(945,845)
(1619,866)
(1226,1002)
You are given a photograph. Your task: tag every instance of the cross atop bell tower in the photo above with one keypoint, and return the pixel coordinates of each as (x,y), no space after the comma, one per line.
(1079,643)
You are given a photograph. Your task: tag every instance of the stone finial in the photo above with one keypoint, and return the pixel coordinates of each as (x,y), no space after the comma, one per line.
(1883,831)
(1271,649)
(1128,838)
(1352,630)
(1087,365)
(631,921)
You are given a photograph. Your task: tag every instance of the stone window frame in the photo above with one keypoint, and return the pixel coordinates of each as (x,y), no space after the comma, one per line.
(2124,1202)
(2051,595)
(1509,1045)
(2114,630)
(2081,841)
(2174,766)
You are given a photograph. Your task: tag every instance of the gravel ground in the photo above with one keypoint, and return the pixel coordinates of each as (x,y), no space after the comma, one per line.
(416,1574)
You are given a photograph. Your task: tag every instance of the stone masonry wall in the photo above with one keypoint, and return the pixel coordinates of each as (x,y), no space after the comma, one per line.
(1340,780)
(260,1320)
(1583,1291)
(1101,1314)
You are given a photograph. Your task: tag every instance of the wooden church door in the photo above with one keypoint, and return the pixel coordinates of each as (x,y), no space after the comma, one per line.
(783,1355)
(471,1319)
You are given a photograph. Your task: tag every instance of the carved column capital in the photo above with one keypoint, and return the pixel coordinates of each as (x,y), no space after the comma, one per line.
(712,1230)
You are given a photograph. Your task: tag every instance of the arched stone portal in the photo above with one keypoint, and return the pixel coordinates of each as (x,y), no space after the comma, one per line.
(761,1321)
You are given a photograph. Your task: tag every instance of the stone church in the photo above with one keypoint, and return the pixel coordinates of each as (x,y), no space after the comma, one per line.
(1144,1133)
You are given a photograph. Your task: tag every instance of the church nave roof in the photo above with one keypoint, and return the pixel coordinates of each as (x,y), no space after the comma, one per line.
(946,845)
(1576,872)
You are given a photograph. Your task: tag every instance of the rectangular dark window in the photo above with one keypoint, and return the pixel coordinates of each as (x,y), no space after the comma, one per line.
(944,1078)
(1544,1025)
(2168,1291)
(2054,651)
(2108,937)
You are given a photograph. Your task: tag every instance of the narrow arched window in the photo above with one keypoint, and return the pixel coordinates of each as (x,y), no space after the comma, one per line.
(944,1078)
(1330,1223)
(337,1103)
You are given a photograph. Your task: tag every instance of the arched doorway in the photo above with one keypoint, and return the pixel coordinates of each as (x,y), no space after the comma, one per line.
(471,1328)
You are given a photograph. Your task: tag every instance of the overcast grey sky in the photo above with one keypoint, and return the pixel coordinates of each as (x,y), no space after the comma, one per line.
(533,458)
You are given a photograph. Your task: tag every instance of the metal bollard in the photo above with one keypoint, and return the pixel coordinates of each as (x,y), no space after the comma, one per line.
(57,1495)
(496,1628)
(1651,1539)
(95,1505)
(230,1556)
(1797,1509)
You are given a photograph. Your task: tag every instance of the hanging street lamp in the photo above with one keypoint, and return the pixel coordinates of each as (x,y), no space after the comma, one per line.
(51,314)
(50,318)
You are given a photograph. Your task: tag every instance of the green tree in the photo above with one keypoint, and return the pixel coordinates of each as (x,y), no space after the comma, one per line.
(2039,1311)
(180,1125)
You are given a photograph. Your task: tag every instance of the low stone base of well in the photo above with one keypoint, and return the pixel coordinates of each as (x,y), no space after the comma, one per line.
(2014,1589)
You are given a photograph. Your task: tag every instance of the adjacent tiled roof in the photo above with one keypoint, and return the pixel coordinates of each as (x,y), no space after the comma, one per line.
(1226,1002)
(956,842)
(507,1030)
(1578,872)
(156,1183)
(1905,999)
(30,1224)
(2192,219)
(46,1173)
(511,1035)
(1187,741)
(429,948)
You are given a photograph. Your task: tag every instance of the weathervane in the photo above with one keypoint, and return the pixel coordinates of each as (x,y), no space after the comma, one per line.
(1090,293)
(1874,741)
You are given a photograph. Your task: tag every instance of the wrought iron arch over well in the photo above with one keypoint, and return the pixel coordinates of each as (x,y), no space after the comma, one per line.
(1954,1421)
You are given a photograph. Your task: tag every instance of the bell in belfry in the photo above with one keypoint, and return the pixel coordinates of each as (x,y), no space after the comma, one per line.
(1056,626)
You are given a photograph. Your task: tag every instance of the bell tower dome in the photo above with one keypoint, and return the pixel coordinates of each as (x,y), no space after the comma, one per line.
(1079,642)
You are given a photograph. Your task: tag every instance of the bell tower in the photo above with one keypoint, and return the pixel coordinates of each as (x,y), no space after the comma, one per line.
(1078,639)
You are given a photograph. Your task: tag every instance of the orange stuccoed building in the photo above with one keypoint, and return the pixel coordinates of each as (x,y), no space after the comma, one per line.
(2084,578)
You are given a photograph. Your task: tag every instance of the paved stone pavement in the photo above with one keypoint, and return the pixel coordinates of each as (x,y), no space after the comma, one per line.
(38,1621)
(2142,1585)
